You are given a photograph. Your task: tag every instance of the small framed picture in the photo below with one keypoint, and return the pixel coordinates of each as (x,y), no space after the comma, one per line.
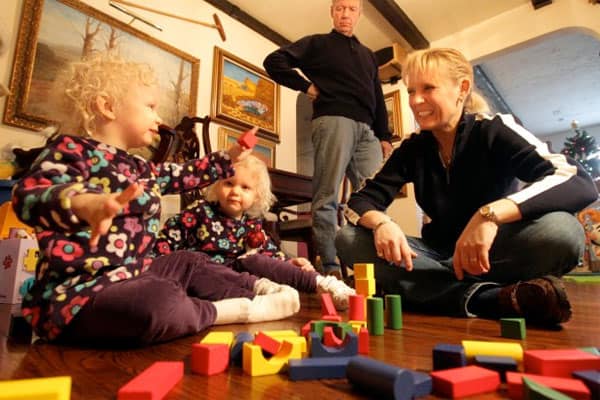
(264,149)
(392,105)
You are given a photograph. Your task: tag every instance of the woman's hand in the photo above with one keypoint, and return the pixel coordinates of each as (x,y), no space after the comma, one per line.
(98,210)
(302,263)
(471,253)
(312,92)
(391,245)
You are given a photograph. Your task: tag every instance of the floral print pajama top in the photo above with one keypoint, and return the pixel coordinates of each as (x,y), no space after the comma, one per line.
(202,226)
(70,271)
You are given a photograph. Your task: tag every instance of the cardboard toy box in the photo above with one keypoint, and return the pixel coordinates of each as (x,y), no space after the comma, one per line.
(18,258)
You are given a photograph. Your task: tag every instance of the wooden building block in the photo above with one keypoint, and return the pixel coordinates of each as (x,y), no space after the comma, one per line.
(423,383)
(393,311)
(216,337)
(306,328)
(318,326)
(498,364)
(357,308)
(375,316)
(571,387)
(327,307)
(56,388)
(447,356)
(464,381)
(255,364)
(330,339)
(267,343)
(591,350)
(503,349)
(380,380)
(248,139)
(209,359)
(513,328)
(591,379)
(154,382)
(363,341)
(278,334)
(559,362)
(535,391)
(365,287)
(364,271)
(235,354)
(357,326)
(348,348)
(318,368)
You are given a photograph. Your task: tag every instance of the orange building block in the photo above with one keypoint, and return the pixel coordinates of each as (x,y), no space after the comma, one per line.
(267,343)
(154,382)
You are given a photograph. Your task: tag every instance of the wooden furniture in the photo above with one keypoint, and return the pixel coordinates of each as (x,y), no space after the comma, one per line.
(98,373)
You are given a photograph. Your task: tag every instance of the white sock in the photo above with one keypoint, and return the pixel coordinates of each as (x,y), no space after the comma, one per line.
(265,286)
(274,306)
(232,311)
(340,292)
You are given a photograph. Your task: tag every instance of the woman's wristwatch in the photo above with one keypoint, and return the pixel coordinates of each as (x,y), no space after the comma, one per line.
(488,213)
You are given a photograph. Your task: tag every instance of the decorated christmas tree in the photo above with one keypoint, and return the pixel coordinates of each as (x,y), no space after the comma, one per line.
(583,148)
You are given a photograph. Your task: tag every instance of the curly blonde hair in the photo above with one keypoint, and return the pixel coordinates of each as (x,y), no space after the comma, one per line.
(264,196)
(78,87)
(453,63)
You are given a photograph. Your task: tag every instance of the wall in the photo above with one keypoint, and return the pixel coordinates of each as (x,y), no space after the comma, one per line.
(558,139)
(190,38)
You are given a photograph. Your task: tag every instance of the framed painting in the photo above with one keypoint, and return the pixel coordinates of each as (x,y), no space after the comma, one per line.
(55,32)
(264,149)
(392,105)
(243,95)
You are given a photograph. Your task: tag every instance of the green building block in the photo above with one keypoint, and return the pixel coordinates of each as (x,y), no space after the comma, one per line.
(393,311)
(340,328)
(536,391)
(375,316)
(513,328)
(591,350)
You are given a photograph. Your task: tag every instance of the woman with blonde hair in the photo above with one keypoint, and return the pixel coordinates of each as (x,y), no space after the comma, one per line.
(490,250)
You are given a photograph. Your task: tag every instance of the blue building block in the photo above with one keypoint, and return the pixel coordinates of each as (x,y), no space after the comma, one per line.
(591,379)
(348,349)
(448,356)
(499,364)
(318,368)
(380,380)
(235,354)
(423,383)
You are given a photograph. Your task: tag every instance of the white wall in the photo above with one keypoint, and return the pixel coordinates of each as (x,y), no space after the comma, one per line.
(190,38)
(558,139)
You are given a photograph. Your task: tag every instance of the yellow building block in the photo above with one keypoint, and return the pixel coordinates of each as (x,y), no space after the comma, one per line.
(281,333)
(366,287)
(58,388)
(8,220)
(30,261)
(364,271)
(255,364)
(218,338)
(495,349)
(356,325)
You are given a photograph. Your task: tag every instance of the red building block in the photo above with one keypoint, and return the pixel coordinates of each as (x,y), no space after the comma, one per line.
(267,343)
(327,307)
(305,330)
(330,339)
(363,341)
(571,387)
(559,362)
(209,359)
(357,308)
(464,381)
(248,139)
(154,382)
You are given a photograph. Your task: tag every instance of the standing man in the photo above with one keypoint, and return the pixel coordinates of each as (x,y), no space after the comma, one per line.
(350,132)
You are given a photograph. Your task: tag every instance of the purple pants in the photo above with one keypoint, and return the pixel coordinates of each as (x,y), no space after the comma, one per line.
(278,271)
(172,299)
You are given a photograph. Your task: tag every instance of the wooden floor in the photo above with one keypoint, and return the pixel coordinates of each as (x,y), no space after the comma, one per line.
(98,374)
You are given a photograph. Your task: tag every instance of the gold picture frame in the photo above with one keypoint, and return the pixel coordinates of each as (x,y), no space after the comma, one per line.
(55,32)
(392,105)
(264,149)
(243,95)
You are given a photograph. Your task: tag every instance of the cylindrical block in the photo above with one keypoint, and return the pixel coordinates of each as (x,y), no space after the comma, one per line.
(393,311)
(357,308)
(380,380)
(235,354)
(375,316)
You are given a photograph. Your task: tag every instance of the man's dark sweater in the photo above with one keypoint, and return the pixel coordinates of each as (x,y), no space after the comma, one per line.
(344,71)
